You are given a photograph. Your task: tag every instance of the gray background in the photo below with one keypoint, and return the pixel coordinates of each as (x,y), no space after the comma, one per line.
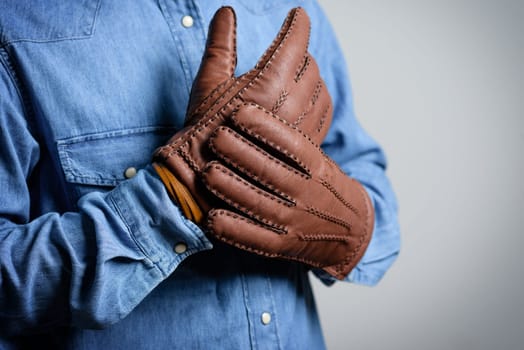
(440,85)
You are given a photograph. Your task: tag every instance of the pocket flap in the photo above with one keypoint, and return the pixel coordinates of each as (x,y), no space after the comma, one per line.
(102,158)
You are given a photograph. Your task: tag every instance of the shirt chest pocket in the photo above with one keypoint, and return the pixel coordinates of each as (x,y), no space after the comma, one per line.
(98,162)
(49,20)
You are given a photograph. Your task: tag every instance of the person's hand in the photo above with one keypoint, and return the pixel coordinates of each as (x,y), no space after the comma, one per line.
(287,198)
(286,80)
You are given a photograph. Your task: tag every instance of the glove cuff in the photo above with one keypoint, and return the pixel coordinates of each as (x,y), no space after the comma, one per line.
(179,193)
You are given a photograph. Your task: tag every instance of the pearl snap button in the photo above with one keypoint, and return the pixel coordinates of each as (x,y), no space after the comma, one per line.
(180,248)
(266,318)
(130,172)
(187,21)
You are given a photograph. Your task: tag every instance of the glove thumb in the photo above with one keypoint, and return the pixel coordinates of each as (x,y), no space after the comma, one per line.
(219,60)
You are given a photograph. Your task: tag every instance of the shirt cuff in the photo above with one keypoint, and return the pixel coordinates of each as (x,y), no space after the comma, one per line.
(156,224)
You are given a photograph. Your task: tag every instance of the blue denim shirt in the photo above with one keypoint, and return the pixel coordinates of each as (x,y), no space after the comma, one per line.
(88,89)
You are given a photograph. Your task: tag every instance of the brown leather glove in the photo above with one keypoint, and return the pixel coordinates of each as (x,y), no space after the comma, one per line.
(290,199)
(286,81)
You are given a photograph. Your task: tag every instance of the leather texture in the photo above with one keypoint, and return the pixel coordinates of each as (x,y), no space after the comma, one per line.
(288,199)
(285,80)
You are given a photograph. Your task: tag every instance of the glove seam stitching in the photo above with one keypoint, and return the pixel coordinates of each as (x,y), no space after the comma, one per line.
(337,194)
(331,218)
(253,249)
(243,209)
(251,174)
(272,144)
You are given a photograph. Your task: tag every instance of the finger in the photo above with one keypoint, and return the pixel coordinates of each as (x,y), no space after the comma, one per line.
(220,56)
(282,62)
(298,90)
(257,164)
(244,233)
(306,102)
(290,45)
(280,137)
(249,235)
(255,202)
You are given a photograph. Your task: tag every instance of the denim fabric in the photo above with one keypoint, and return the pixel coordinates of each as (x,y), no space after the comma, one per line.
(90,88)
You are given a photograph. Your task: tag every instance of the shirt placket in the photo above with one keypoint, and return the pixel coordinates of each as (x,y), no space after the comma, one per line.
(188,30)
(261,312)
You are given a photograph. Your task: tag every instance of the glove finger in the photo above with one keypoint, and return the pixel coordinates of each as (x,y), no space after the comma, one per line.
(283,61)
(256,164)
(280,137)
(320,209)
(249,235)
(290,45)
(220,57)
(254,201)
(306,103)
(244,233)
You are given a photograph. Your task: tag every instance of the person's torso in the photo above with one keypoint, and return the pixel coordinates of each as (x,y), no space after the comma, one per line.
(107,82)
